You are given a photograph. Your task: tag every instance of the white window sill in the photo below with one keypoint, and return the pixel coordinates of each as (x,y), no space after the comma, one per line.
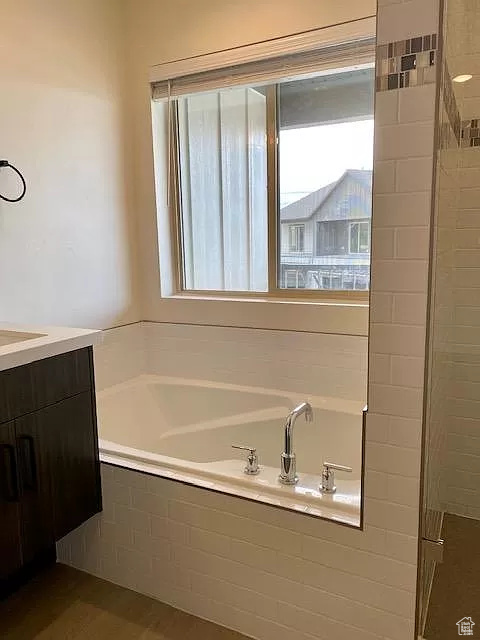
(259,299)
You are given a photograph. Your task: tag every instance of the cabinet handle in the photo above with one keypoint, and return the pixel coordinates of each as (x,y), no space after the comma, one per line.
(10,479)
(28,463)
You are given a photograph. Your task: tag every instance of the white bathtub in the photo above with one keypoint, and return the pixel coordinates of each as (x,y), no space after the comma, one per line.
(183,429)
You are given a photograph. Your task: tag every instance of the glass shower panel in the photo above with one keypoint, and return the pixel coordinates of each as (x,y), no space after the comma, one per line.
(449,591)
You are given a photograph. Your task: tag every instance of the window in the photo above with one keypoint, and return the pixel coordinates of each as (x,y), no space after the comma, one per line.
(329,238)
(270,163)
(359,237)
(345,206)
(296,237)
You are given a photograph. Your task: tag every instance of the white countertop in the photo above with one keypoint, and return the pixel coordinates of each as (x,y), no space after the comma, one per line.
(21,344)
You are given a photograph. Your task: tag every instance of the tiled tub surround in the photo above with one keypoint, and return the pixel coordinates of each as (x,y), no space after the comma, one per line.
(268,572)
(224,401)
(184,429)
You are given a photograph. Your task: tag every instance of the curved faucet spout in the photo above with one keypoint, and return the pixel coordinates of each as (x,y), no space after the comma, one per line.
(288,473)
(304,407)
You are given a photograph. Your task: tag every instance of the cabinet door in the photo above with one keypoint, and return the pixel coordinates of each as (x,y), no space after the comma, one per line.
(74,463)
(10,548)
(32,442)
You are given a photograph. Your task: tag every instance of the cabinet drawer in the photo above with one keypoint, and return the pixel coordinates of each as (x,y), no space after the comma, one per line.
(43,382)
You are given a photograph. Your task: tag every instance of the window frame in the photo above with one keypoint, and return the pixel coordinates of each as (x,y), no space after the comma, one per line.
(274,292)
(161,302)
(165,77)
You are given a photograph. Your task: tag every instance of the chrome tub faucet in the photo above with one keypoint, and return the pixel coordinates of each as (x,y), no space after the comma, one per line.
(288,464)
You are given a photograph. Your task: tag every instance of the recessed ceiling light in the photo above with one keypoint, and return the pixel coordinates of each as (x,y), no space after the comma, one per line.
(462,78)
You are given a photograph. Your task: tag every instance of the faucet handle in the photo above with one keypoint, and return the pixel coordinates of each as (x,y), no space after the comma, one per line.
(328,476)
(251,468)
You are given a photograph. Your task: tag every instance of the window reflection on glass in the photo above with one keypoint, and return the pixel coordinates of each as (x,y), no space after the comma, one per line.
(325,160)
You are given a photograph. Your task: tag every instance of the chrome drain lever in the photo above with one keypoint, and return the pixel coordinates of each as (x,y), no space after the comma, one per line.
(251,468)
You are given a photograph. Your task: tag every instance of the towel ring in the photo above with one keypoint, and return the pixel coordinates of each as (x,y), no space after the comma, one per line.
(5,163)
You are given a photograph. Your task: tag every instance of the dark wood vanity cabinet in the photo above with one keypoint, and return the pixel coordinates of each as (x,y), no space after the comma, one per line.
(49,464)
(10,523)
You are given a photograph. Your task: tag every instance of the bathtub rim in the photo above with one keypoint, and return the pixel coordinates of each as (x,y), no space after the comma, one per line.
(235,490)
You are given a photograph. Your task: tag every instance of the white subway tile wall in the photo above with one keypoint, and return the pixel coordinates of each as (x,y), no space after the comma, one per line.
(121,356)
(407,19)
(405,128)
(266,572)
(462,475)
(263,571)
(320,364)
(326,365)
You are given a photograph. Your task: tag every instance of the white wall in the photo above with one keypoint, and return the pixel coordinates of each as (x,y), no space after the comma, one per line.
(164,31)
(161,32)
(67,251)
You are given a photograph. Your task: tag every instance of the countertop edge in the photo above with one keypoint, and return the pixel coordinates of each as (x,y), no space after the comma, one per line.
(54,342)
